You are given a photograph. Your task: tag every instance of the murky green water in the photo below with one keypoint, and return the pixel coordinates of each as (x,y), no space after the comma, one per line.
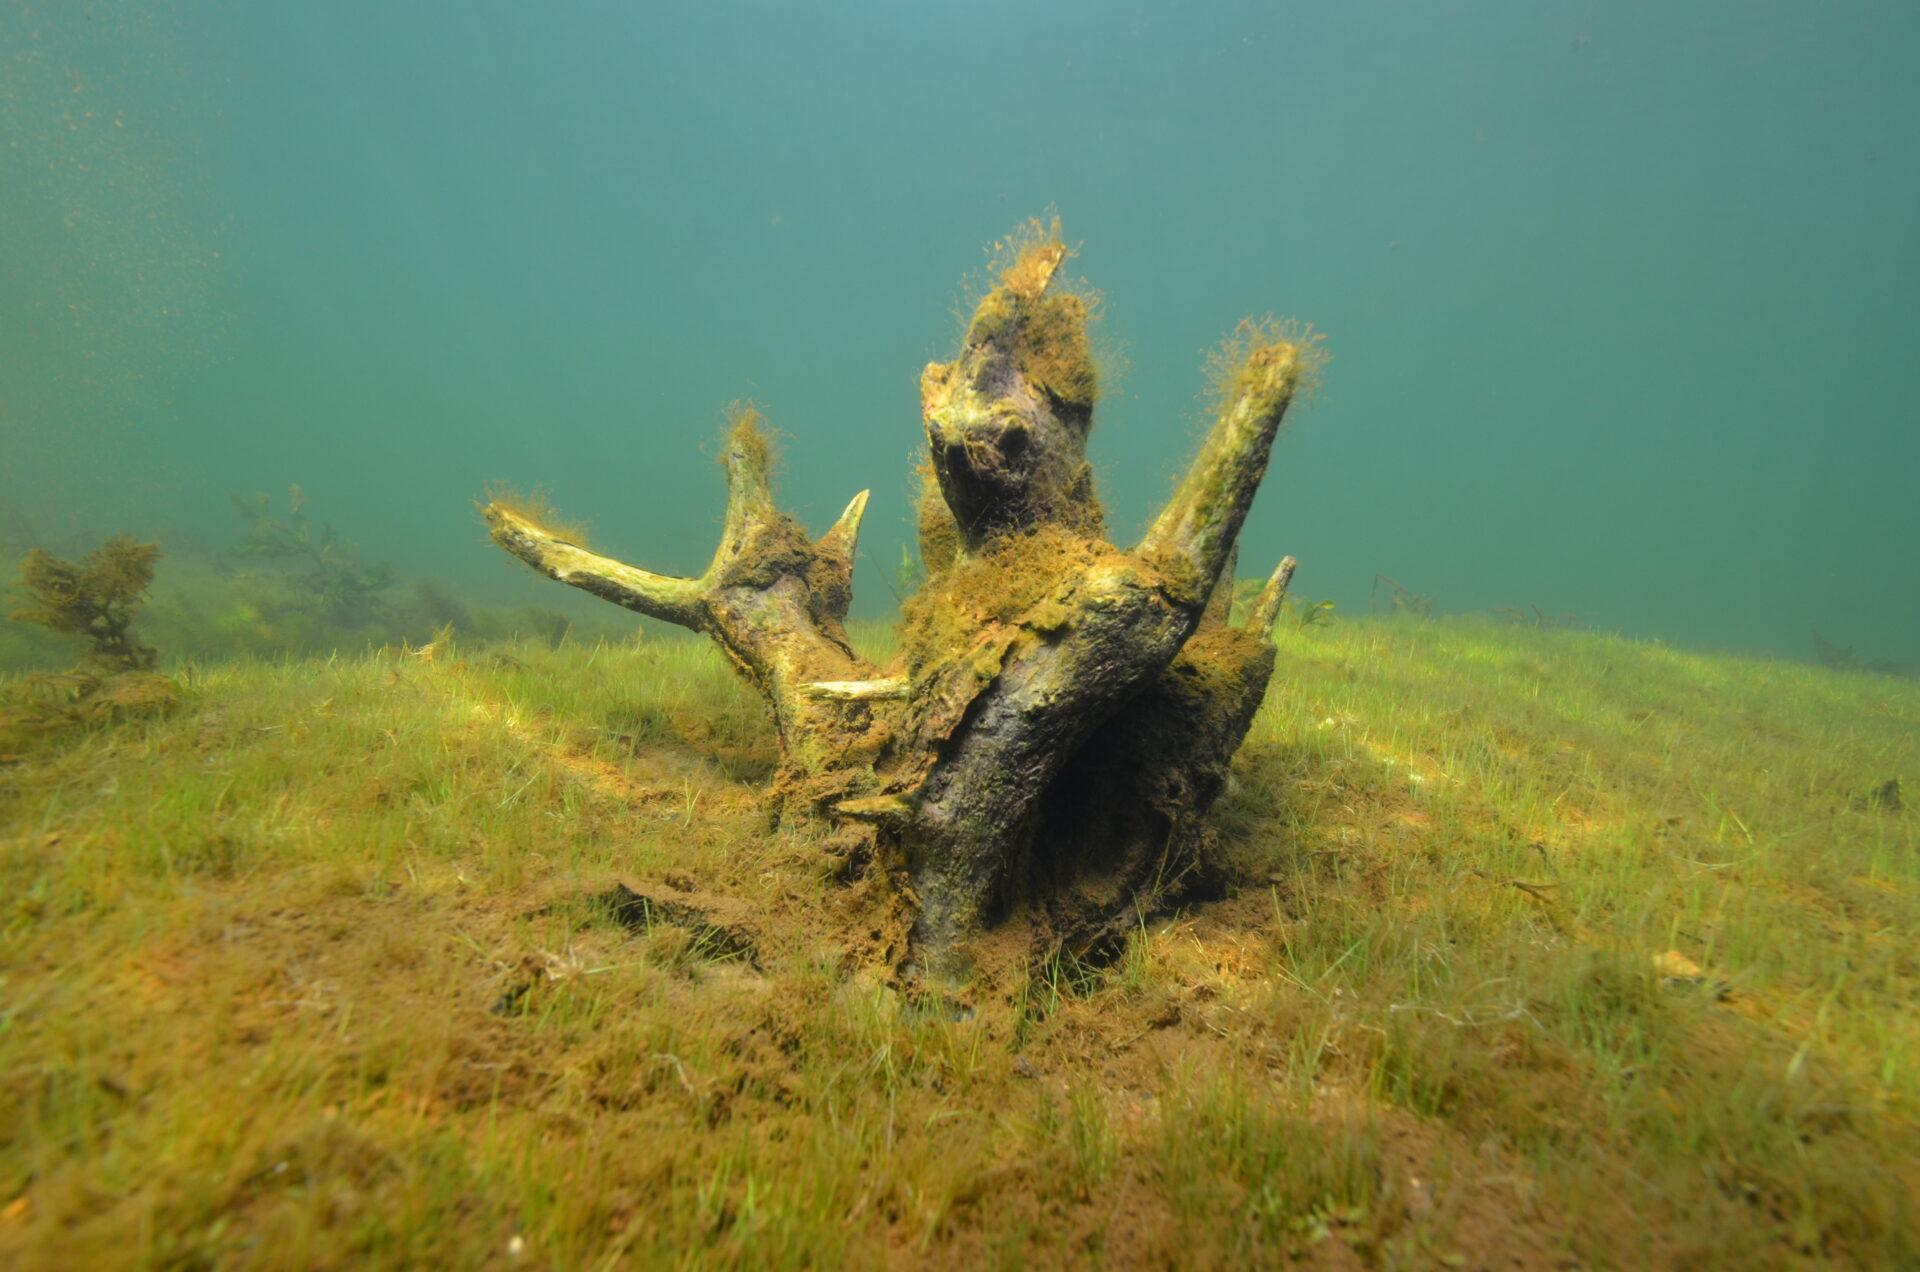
(1620,296)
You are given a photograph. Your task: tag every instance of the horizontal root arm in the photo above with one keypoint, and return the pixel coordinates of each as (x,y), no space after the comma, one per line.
(661,596)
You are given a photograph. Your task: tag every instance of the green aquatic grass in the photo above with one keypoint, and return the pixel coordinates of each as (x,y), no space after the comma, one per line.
(1553,946)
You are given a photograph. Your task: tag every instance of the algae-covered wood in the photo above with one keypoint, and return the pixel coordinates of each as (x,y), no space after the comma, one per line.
(1039,763)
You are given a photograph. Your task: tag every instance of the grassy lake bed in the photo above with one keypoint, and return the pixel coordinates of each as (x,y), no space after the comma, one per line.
(1551,949)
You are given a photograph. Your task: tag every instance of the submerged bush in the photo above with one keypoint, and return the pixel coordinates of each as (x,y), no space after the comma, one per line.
(96,598)
(346,587)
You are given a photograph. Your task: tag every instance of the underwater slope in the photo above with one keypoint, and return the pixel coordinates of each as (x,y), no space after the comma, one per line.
(1550,943)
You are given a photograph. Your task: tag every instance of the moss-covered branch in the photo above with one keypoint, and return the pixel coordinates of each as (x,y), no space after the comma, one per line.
(669,599)
(1194,533)
(771,598)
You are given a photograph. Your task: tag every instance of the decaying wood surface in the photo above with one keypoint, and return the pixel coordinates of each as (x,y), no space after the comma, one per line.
(1042,759)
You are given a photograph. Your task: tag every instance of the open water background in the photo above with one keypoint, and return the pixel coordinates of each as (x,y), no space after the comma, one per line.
(1620,296)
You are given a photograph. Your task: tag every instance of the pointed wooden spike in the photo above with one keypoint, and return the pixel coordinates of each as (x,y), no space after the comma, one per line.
(1267,608)
(843,536)
(749,466)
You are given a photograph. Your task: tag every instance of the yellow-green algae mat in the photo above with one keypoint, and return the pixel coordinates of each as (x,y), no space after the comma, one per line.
(1555,949)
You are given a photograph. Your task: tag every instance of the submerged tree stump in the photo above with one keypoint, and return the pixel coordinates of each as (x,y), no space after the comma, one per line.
(1039,764)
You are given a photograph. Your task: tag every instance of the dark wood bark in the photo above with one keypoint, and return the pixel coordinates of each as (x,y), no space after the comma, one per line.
(1066,710)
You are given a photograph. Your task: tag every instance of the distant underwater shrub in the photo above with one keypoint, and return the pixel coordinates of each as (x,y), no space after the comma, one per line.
(1402,599)
(335,577)
(1311,613)
(303,588)
(96,598)
(1534,616)
(1838,657)
(290,586)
